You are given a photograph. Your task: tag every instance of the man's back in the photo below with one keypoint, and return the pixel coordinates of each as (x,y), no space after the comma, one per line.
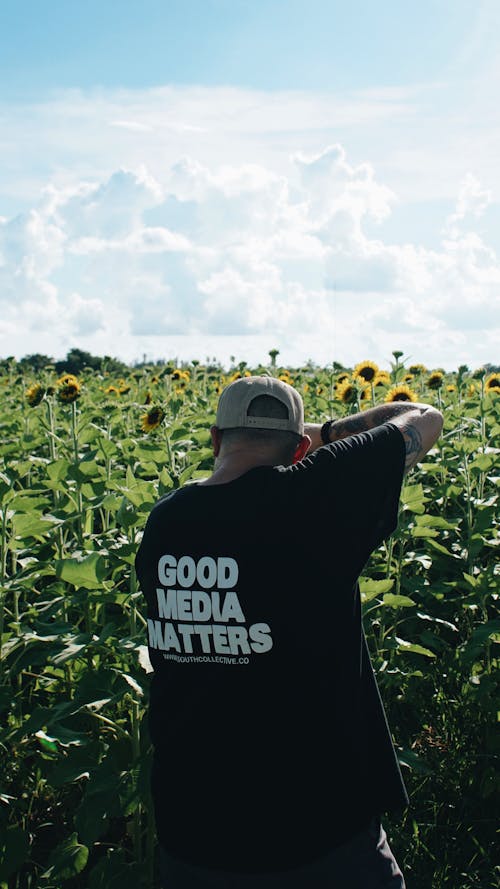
(270,740)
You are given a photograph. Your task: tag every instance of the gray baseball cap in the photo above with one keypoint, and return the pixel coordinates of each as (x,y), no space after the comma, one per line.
(232,410)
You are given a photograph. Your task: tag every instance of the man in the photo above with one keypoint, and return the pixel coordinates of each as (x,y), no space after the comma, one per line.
(273,759)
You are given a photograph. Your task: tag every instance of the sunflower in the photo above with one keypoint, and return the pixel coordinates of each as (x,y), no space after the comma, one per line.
(367,370)
(451,388)
(383,378)
(305,387)
(179,374)
(492,383)
(342,378)
(347,392)
(435,380)
(124,389)
(417,369)
(67,380)
(237,375)
(400,393)
(408,378)
(147,398)
(471,391)
(68,389)
(34,394)
(112,390)
(286,378)
(152,419)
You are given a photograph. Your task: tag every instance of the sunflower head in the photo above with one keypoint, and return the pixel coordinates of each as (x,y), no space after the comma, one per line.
(451,388)
(400,393)
(124,389)
(152,418)
(492,383)
(67,380)
(34,394)
(179,374)
(367,370)
(408,378)
(342,378)
(383,378)
(417,369)
(68,389)
(347,392)
(435,380)
(147,398)
(112,390)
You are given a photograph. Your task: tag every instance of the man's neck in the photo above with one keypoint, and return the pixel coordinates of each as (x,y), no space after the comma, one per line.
(232,466)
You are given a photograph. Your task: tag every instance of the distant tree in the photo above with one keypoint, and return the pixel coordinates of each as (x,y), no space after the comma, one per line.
(77,360)
(35,362)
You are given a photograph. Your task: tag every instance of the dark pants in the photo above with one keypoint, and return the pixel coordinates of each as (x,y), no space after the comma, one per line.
(365,862)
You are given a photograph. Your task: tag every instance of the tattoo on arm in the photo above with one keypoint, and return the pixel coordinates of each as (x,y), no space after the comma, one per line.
(348,426)
(414,447)
(369,419)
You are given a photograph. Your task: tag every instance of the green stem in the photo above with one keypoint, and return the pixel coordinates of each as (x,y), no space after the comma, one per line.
(3,575)
(136,753)
(76,457)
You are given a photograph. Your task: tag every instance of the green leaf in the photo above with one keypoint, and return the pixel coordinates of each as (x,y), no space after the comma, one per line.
(483,462)
(32,525)
(88,571)
(435,521)
(126,516)
(417,531)
(397,601)
(58,470)
(14,848)
(413,498)
(67,860)
(413,762)
(403,645)
(98,805)
(72,648)
(441,549)
(107,448)
(188,472)
(72,766)
(480,639)
(437,620)
(369,588)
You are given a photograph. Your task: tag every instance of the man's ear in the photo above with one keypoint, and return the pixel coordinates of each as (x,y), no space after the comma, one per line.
(302,449)
(216,436)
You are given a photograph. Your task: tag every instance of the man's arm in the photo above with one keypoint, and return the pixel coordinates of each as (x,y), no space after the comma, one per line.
(420,425)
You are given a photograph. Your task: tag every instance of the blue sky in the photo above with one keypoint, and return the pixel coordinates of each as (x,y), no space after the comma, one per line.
(265,44)
(206,176)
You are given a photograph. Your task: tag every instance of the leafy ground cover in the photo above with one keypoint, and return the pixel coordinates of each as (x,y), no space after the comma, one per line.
(82,461)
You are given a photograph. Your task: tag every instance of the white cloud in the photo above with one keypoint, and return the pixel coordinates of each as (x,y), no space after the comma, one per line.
(241,251)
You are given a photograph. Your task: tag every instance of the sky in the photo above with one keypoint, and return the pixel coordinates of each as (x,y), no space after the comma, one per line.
(218,178)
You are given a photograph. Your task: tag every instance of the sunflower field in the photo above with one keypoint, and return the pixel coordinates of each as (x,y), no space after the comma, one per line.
(83,459)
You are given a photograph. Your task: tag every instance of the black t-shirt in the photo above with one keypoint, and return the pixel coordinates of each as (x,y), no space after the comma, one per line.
(271,741)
